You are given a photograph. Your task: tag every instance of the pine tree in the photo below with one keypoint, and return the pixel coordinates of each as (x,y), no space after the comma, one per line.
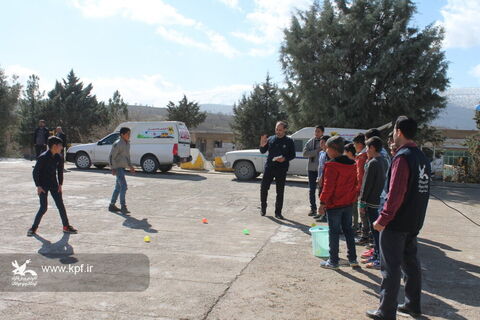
(187,112)
(9,94)
(361,64)
(257,114)
(31,107)
(73,107)
(117,108)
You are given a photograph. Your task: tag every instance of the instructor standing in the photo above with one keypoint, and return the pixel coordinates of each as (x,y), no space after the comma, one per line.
(281,150)
(399,223)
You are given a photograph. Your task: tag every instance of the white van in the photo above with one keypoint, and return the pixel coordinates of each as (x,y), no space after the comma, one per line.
(248,164)
(153,145)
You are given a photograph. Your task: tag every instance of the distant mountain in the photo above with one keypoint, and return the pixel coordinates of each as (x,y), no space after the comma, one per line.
(217,108)
(460,109)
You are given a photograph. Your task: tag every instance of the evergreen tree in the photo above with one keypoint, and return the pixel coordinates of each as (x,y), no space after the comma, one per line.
(361,64)
(117,108)
(73,107)
(9,94)
(187,112)
(257,114)
(31,107)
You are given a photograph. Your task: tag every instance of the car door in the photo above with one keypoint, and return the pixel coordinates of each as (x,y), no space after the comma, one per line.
(103,148)
(298,165)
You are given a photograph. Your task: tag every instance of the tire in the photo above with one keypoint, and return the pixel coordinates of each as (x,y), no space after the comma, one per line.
(165,168)
(244,170)
(82,160)
(149,164)
(100,166)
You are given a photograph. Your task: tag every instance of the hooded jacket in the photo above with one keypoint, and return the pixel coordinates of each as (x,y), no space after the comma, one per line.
(339,183)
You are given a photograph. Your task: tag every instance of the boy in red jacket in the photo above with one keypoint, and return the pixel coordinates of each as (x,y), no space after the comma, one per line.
(339,192)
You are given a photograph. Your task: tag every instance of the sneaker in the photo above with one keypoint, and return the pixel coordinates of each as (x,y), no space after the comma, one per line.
(279,216)
(263,211)
(317,216)
(373,265)
(322,218)
(354,264)
(374,314)
(361,241)
(404,309)
(367,254)
(312,213)
(113,208)
(70,229)
(328,265)
(124,210)
(31,232)
(368,260)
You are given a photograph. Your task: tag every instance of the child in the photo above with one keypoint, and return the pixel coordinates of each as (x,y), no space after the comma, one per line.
(49,164)
(350,151)
(339,192)
(371,190)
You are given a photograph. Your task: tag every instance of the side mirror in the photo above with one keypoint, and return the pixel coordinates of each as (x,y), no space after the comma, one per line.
(99,143)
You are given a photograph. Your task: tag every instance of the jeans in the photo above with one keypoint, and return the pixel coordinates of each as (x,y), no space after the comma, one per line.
(120,187)
(372,215)
(312,185)
(398,252)
(57,197)
(280,176)
(341,219)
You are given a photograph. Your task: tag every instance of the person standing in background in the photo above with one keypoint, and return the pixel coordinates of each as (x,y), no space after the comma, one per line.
(311,151)
(40,138)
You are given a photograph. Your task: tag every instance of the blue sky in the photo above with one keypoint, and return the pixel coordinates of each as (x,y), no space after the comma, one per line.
(154,51)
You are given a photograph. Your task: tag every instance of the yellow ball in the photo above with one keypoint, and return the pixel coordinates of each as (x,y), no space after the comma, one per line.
(146,238)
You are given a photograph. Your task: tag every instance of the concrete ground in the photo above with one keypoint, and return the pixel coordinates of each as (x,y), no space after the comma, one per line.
(214,271)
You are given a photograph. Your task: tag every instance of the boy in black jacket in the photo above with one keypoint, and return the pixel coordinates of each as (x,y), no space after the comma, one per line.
(49,164)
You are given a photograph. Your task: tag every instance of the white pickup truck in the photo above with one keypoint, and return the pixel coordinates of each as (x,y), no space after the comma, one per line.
(249,164)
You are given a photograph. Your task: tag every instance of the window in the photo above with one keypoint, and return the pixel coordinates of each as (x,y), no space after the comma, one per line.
(299,144)
(109,139)
(217,144)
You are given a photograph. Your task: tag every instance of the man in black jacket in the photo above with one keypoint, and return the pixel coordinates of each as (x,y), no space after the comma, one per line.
(49,164)
(281,150)
(40,137)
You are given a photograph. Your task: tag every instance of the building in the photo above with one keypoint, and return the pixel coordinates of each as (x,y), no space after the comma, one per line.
(212,143)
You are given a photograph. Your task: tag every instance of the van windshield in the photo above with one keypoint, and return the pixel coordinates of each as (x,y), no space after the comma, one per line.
(183,133)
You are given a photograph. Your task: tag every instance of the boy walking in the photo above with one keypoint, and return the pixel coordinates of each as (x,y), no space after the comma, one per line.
(119,160)
(339,192)
(50,165)
(370,193)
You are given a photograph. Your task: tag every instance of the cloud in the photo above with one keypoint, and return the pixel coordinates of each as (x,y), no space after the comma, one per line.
(475,71)
(157,91)
(231,3)
(165,17)
(268,20)
(461,23)
(23,73)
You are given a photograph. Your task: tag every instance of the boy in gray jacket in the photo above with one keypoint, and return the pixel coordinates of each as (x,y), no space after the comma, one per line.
(119,160)
(372,187)
(311,151)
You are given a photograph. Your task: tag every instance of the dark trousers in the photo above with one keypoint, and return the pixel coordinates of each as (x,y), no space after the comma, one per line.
(57,197)
(280,175)
(372,215)
(312,185)
(398,252)
(338,220)
(39,149)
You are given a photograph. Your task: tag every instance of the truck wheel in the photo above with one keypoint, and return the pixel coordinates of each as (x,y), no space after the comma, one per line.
(244,170)
(165,168)
(149,164)
(82,160)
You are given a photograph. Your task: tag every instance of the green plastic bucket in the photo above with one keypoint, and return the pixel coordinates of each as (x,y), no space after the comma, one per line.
(320,243)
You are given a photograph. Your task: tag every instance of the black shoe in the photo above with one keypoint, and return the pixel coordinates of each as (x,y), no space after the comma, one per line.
(31,232)
(279,216)
(404,309)
(321,218)
(263,211)
(312,213)
(124,210)
(113,208)
(70,229)
(317,216)
(374,314)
